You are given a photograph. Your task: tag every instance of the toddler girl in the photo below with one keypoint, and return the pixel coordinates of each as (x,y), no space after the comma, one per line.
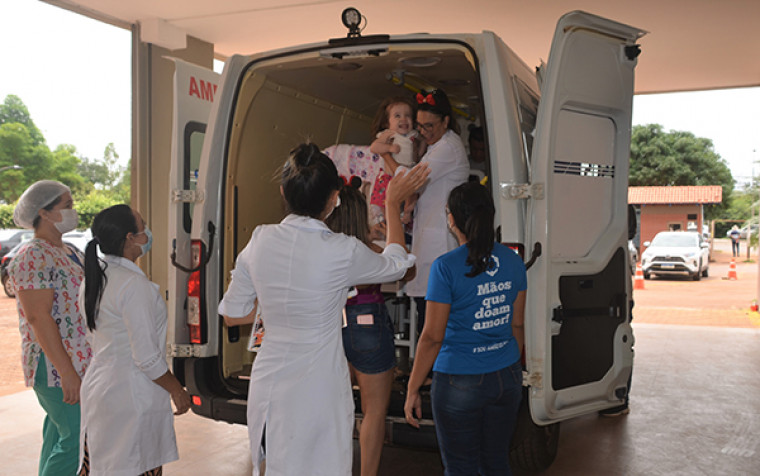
(397,142)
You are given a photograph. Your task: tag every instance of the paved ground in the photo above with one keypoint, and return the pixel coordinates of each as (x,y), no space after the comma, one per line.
(11,376)
(694,400)
(713,301)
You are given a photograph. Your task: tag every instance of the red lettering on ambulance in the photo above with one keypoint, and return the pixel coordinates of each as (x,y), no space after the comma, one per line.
(205,91)
(194,91)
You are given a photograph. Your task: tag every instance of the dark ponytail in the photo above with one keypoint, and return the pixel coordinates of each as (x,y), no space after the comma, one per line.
(308,179)
(109,231)
(473,210)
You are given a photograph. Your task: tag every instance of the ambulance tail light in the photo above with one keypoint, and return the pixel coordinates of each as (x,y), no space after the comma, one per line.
(518,248)
(194,302)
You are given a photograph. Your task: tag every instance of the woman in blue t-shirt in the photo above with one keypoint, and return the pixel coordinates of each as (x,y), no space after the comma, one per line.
(474,335)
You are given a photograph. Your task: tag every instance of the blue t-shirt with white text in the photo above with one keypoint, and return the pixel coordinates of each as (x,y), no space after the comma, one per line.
(479,330)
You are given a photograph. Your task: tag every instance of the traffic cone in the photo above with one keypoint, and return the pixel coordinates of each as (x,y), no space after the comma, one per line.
(638,282)
(732,270)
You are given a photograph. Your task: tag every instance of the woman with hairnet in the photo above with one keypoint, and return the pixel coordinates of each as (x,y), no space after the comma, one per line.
(46,275)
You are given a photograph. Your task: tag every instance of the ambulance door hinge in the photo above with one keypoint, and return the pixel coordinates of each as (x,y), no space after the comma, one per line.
(184,350)
(187,196)
(517,191)
(534,380)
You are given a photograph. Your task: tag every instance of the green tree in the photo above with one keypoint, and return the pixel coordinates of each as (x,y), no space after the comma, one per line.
(660,158)
(65,168)
(89,205)
(106,173)
(17,147)
(95,184)
(13,110)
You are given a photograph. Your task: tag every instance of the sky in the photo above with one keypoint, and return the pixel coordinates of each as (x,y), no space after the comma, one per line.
(84,99)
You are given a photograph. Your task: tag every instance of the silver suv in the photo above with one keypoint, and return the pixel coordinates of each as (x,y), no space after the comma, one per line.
(676,252)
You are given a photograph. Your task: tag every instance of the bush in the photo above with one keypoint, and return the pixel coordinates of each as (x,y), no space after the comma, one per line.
(92,203)
(6,216)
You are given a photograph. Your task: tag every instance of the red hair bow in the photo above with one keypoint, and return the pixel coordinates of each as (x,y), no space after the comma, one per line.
(425,99)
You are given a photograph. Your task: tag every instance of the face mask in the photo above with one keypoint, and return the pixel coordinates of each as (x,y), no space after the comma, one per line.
(146,247)
(69,220)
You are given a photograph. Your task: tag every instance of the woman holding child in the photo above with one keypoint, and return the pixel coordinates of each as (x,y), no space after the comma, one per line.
(447,161)
(300,397)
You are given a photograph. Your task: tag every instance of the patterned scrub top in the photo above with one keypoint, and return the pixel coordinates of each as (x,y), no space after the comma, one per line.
(41,265)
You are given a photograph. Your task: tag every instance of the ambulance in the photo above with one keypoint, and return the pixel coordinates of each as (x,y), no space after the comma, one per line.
(557,140)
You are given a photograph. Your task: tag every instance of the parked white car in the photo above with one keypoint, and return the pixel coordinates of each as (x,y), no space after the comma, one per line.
(676,252)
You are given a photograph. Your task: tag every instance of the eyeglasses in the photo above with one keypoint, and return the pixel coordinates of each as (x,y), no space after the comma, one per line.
(428,126)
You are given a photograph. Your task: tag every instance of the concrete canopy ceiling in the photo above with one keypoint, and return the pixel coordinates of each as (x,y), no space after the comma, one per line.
(691,44)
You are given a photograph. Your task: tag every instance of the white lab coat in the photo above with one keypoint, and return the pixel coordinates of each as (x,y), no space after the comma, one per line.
(126,416)
(300,391)
(431,237)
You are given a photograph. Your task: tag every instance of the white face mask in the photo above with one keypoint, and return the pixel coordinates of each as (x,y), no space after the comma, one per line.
(69,220)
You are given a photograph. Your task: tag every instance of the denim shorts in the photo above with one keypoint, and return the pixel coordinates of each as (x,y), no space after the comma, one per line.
(369,347)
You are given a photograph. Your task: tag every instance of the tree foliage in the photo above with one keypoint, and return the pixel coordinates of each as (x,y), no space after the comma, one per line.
(660,158)
(95,183)
(13,111)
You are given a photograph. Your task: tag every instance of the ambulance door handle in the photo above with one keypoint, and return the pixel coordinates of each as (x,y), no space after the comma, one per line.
(534,255)
(204,262)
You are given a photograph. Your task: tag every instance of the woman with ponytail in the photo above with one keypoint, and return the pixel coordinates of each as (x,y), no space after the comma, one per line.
(127,422)
(299,398)
(472,339)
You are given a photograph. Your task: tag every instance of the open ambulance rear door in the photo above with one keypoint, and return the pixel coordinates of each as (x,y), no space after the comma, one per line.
(578,337)
(194,92)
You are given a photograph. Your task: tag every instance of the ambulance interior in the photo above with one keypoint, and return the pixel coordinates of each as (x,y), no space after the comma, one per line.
(323,97)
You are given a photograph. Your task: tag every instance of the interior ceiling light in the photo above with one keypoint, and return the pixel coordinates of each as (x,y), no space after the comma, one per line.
(420,61)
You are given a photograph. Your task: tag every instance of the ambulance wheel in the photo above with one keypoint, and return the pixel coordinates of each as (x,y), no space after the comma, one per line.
(533,447)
